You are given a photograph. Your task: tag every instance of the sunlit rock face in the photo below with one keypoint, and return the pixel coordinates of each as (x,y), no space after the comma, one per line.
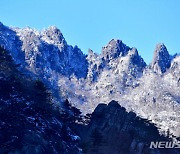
(43,52)
(114,49)
(161,60)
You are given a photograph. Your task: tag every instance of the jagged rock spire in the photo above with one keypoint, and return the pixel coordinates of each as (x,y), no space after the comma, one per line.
(114,49)
(161,60)
(136,59)
(53,35)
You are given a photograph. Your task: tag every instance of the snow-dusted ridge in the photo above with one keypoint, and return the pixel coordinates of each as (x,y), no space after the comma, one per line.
(118,73)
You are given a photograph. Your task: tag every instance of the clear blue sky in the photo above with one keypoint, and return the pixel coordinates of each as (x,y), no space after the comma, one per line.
(93,23)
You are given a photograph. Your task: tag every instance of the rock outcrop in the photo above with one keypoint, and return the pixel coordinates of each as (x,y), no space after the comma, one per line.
(161,60)
(113,130)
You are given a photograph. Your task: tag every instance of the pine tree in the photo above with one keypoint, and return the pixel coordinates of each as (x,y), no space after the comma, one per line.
(71,113)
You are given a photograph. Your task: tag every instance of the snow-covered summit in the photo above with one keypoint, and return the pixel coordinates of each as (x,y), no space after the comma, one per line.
(53,35)
(161,60)
(114,49)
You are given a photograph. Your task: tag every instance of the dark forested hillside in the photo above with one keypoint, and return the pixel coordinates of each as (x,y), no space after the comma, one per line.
(28,121)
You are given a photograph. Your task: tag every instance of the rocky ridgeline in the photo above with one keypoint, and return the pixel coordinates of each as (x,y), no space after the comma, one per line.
(117,73)
(113,130)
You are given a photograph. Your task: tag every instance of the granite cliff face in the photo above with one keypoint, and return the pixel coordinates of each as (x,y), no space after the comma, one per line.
(117,73)
(161,60)
(43,52)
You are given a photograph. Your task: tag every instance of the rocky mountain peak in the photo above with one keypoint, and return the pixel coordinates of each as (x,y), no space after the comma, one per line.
(114,49)
(90,52)
(161,60)
(91,55)
(53,35)
(135,58)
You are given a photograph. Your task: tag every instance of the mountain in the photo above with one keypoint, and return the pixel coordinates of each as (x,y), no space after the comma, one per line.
(117,73)
(114,49)
(31,122)
(113,130)
(43,52)
(161,60)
